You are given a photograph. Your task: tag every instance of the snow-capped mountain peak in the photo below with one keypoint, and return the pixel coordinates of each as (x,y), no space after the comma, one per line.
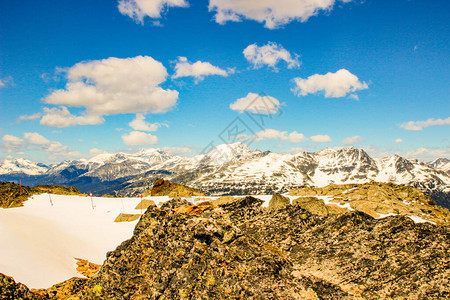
(21,165)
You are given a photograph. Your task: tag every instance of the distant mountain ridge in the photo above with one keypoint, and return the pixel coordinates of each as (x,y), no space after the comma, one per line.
(234,169)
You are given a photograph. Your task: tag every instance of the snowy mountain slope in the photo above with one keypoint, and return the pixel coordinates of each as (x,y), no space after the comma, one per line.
(441,164)
(21,165)
(237,169)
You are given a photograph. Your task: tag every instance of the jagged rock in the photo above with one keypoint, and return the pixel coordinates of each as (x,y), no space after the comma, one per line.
(87,268)
(13,195)
(238,250)
(127,217)
(278,201)
(145,203)
(163,187)
(9,289)
(313,205)
(378,199)
(66,290)
(223,200)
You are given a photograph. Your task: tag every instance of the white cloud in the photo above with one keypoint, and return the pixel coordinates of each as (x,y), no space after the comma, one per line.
(274,13)
(426,154)
(256,104)
(35,138)
(352,140)
(334,85)
(199,69)
(11,143)
(55,149)
(139,123)
(419,125)
(37,142)
(29,117)
(136,138)
(273,134)
(113,86)
(139,9)
(321,138)
(1,84)
(61,117)
(177,150)
(398,141)
(95,151)
(294,150)
(270,55)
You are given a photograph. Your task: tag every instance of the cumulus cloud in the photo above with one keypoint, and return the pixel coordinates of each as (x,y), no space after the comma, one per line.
(139,123)
(139,9)
(256,104)
(61,117)
(419,125)
(270,55)
(352,140)
(398,141)
(294,150)
(136,138)
(177,150)
(273,134)
(29,117)
(334,85)
(198,70)
(37,142)
(95,151)
(426,154)
(113,86)
(273,13)
(11,143)
(35,138)
(321,138)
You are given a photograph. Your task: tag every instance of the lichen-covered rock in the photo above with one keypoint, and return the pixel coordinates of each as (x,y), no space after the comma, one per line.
(238,250)
(9,289)
(378,199)
(313,205)
(278,201)
(163,187)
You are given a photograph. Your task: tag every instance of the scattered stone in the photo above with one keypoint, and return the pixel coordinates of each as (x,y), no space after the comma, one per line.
(163,187)
(145,203)
(9,289)
(87,268)
(279,201)
(313,205)
(127,217)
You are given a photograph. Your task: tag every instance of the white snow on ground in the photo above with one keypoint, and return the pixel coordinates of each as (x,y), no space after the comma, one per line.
(418,219)
(38,242)
(328,200)
(382,216)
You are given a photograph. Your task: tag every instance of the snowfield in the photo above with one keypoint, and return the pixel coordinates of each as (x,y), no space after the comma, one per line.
(38,242)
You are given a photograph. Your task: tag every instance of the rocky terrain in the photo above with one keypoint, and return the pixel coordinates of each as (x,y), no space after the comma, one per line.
(163,187)
(240,250)
(234,169)
(12,195)
(373,198)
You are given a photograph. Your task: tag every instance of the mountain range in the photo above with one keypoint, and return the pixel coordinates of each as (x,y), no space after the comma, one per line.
(233,169)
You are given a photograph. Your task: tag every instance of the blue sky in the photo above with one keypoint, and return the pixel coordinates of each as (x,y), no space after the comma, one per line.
(75,74)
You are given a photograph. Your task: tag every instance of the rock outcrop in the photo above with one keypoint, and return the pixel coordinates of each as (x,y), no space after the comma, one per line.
(374,198)
(163,187)
(278,201)
(239,250)
(13,195)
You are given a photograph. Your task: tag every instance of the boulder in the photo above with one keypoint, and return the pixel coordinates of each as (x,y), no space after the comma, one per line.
(279,201)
